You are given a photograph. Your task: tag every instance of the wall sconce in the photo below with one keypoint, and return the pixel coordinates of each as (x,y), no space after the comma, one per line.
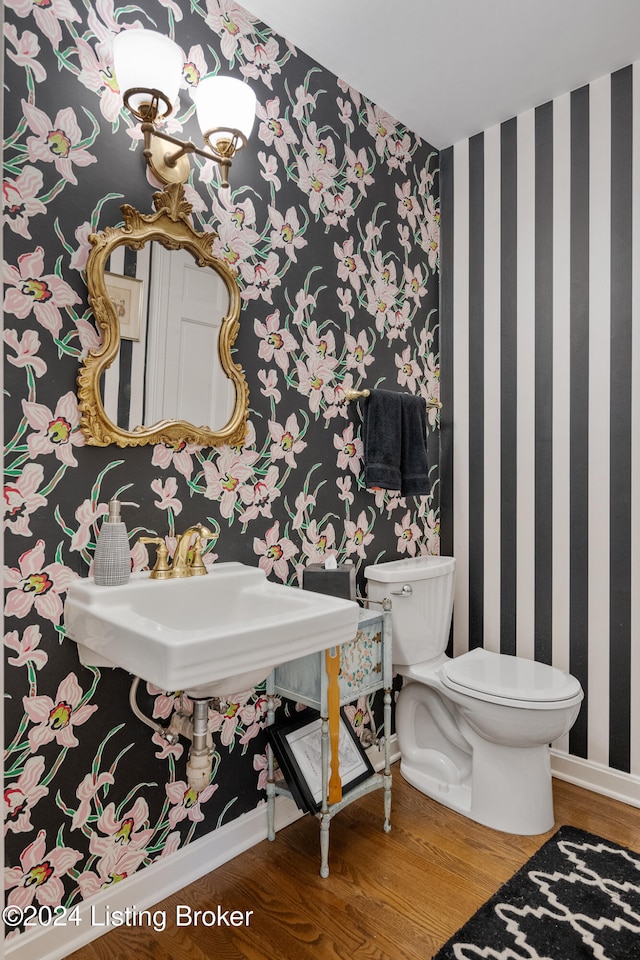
(148,67)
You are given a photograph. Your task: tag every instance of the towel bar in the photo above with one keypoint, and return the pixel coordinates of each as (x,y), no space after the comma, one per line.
(351,394)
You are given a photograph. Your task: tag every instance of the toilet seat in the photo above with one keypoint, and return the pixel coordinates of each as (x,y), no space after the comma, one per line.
(500,678)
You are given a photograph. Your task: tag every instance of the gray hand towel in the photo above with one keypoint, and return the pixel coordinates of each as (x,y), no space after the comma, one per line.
(414,467)
(381,436)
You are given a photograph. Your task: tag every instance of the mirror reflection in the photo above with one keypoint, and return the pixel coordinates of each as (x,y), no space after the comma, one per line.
(169,315)
(168,365)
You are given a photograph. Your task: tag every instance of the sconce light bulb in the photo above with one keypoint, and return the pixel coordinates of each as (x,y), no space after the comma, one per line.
(147,64)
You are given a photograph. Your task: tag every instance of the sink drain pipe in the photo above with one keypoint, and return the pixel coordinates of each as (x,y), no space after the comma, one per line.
(195,728)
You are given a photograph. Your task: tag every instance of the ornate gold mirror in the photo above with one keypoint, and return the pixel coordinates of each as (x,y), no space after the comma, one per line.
(165,357)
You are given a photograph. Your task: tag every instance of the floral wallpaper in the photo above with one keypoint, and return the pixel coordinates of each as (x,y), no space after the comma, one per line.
(331,220)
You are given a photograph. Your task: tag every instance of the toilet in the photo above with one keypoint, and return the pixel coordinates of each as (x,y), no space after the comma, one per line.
(473,731)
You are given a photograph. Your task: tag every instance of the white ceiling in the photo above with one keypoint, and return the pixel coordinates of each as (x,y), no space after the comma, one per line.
(450,68)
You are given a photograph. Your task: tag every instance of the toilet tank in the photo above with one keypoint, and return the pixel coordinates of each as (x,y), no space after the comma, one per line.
(421,612)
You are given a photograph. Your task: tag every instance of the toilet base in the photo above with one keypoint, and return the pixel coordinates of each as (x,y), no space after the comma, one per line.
(516,797)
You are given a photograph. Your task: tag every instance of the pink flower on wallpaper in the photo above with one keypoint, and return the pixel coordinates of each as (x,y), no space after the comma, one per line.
(178,455)
(254,719)
(344,487)
(285,440)
(194,69)
(372,236)
(350,450)
(380,302)
(314,178)
(415,285)
(167,493)
(345,301)
(55,719)
(58,142)
(303,500)
(231,245)
(269,170)
(430,242)
(358,169)
(39,873)
(57,432)
(259,497)
(21,499)
(261,279)
(304,300)
(431,532)
(346,114)
(26,53)
(408,370)
(399,321)
(26,348)
(321,343)
(359,352)
(85,793)
(274,552)
(110,871)
(126,831)
(96,73)
(239,216)
(260,765)
(21,796)
(286,232)
(187,802)
(340,207)
(274,130)
(30,289)
(408,206)
(87,514)
(358,535)
(20,202)
(225,477)
(359,715)
(408,534)
(269,381)
(351,266)
(320,147)
(276,343)
(237,712)
(319,544)
(165,748)
(400,150)
(262,60)
(47,16)
(381,126)
(34,584)
(314,374)
(26,648)
(303,98)
(88,336)
(230,22)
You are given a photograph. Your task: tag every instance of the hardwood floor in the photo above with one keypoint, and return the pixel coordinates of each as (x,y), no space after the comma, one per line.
(395,896)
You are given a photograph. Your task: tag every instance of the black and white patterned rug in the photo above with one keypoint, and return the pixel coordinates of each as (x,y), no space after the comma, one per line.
(577,898)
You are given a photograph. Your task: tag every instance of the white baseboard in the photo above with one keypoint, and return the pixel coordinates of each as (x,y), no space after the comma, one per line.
(595,776)
(163,878)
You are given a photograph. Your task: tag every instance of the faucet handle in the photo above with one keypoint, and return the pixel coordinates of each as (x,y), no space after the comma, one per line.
(161,570)
(197,566)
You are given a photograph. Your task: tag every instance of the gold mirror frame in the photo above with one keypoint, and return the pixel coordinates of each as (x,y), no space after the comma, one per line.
(171,226)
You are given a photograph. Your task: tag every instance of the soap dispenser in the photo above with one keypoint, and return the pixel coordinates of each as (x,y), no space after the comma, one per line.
(112,561)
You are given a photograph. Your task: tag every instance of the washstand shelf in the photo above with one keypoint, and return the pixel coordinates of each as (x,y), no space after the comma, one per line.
(365,666)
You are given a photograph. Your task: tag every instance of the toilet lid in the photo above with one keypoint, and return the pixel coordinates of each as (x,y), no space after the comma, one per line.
(512,678)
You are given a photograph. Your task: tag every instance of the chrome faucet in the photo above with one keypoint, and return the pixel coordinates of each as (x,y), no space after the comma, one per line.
(184,563)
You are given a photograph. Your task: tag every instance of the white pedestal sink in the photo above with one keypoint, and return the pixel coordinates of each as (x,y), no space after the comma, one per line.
(211,636)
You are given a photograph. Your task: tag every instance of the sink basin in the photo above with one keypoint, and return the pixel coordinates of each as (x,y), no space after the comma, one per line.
(211,636)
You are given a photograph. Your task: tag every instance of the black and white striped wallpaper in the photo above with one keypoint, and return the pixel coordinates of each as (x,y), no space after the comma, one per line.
(540,381)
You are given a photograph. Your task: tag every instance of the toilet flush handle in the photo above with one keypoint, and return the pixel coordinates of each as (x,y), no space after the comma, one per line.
(406,591)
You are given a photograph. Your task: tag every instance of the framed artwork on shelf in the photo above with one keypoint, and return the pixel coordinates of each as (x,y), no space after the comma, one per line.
(125,294)
(297,747)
